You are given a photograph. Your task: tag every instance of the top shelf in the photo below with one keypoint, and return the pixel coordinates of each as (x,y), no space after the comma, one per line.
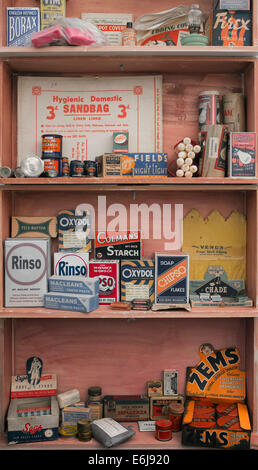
(97,59)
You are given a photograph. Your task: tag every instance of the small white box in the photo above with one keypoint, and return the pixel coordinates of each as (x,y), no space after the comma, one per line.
(27,268)
(170,383)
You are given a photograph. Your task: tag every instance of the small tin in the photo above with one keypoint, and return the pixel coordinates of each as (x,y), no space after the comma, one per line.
(175,414)
(32,166)
(210,108)
(163,430)
(65,166)
(68,430)
(94,394)
(18,172)
(53,164)
(6,172)
(90,168)
(83,426)
(76,168)
(51,145)
(51,173)
(85,436)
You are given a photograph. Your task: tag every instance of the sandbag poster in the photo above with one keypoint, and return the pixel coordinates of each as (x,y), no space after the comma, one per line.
(86,111)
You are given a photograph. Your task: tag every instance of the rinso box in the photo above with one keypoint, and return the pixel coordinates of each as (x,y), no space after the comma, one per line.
(21,24)
(120,245)
(27,268)
(171,278)
(126,407)
(33,420)
(242,155)
(71,264)
(108,276)
(137,279)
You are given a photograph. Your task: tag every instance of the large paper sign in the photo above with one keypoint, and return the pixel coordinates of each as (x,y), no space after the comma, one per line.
(86,111)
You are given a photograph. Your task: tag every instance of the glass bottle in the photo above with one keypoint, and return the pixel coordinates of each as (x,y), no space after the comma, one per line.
(195,18)
(129,35)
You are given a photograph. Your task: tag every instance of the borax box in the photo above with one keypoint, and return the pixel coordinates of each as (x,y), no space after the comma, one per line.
(215,412)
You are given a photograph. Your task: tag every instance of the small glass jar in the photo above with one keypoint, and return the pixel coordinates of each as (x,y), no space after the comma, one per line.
(94,395)
(163,430)
(175,414)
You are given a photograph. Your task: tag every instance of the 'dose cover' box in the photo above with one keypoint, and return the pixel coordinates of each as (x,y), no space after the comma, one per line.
(214,382)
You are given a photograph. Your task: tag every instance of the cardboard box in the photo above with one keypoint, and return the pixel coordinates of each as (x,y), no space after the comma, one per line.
(154,388)
(120,142)
(159,405)
(71,265)
(71,414)
(111,25)
(74,231)
(21,24)
(109,164)
(27,268)
(145,164)
(171,278)
(119,245)
(96,410)
(99,105)
(242,155)
(32,428)
(218,380)
(126,407)
(74,285)
(231,4)
(32,227)
(170,380)
(22,388)
(107,273)
(50,10)
(230,28)
(73,302)
(137,279)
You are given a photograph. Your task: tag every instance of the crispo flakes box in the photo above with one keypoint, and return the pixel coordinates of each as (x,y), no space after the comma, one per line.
(171,278)
(107,272)
(216,380)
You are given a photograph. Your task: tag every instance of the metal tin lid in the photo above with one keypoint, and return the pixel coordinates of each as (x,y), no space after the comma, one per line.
(176,408)
(164,424)
(94,391)
(32,166)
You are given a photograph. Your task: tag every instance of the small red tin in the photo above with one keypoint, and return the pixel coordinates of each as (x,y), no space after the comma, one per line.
(163,430)
(175,413)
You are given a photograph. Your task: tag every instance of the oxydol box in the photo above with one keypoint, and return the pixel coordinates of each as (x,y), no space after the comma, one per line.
(71,264)
(27,268)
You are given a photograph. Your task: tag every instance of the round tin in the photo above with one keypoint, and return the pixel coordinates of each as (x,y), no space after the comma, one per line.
(18,172)
(53,164)
(94,394)
(85,436)
(32,166)
(163,430)
(76,168)
(210,108)
(6,172)
(51,145)
(90,168)
(65,166)
(68,431)
(175,414)
(83,425)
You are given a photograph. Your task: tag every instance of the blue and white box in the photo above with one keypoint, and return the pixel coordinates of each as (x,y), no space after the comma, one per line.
(74,285)
(73,302)
(21,24)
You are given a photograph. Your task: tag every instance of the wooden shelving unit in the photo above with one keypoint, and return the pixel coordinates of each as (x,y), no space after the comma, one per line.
(104,347)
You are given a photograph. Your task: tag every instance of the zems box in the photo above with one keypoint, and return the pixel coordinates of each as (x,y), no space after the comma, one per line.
(21,24)
(231,28)
(27,268)
(242,154)
(145,164)
(171,278)
(118,245)
(71,264)
(137,280)
(108,276)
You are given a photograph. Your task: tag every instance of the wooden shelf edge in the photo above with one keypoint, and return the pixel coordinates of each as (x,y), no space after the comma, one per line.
(127,51)
(105,312)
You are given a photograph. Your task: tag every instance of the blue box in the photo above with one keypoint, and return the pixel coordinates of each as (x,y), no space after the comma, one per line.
(74,285)
(72,302)
(223,19)
(145,164)
(21,24)
(171,278)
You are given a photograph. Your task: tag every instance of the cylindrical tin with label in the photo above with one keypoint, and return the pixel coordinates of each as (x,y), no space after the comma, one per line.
(76,168)
(175,414)
(210,108)
(52,145)
(53,164)
(163,430)
(90,168)
(94,394)
(6,172)
(65,166)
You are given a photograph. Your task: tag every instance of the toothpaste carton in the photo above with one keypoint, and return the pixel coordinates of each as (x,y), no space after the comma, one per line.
(71,264)
(137,279)
(107,273)
(74,285)
(171,278)
(27,268)
(71,414)
(73,302)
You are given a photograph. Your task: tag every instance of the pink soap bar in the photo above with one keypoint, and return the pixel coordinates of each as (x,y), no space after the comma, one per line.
(47,36)
(77,37)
